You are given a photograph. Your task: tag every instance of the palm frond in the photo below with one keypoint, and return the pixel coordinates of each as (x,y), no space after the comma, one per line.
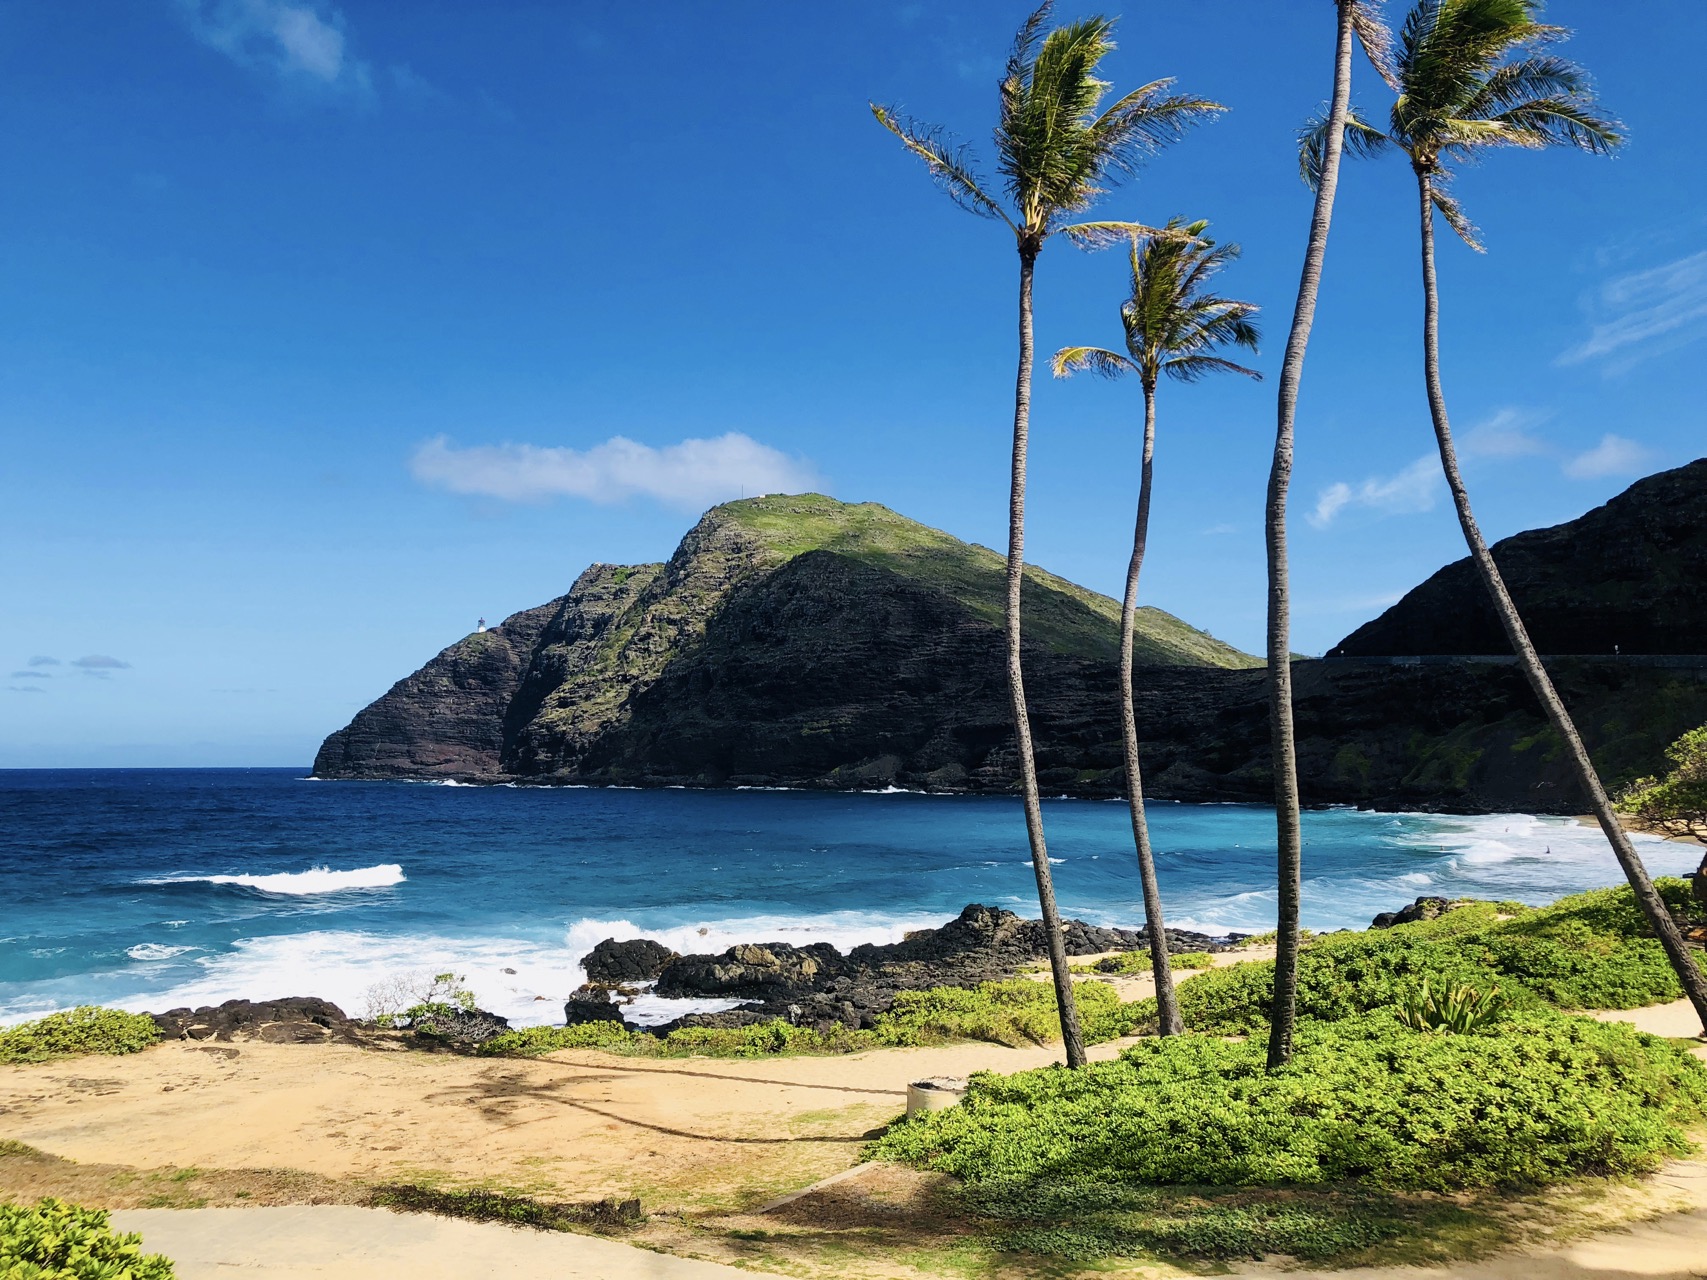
(1100,235)
(1545,122)
(1144,121)
(1360,138)
(1105,364)
(949,165)
(1195,368)
(1375,37)
(1453,213)
(1518,82)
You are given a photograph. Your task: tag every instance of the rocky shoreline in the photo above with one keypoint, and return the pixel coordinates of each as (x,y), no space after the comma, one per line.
(813,986)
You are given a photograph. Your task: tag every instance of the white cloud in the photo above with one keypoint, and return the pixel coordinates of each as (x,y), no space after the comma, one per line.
(1503,436)
(301,41)
(1659,308)
(1412,490)
(1613,456)
(694,473)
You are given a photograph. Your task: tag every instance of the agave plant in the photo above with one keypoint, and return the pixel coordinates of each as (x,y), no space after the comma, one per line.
(1461,1008)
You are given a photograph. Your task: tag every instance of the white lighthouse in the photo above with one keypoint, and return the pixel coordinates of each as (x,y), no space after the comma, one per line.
(480,626)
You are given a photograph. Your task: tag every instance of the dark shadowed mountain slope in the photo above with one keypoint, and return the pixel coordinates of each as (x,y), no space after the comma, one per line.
(550,690)
(1628,577)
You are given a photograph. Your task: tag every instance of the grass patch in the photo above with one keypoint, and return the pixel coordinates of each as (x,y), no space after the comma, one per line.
(480,1205)
(1538,1098)
(52,1240)
(1016,1012)
(84,1030)
(1129,963)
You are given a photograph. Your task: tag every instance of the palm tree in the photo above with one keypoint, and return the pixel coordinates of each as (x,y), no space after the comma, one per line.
(1471,78)
(1359,18)
(1055,145)
(1172,328)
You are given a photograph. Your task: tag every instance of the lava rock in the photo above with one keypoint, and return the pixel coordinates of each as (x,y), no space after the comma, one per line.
(1426,908)
(590,1003)
(636,960)
(295,1020)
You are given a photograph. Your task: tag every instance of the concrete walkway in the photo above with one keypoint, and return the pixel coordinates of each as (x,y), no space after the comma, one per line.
(344,1242)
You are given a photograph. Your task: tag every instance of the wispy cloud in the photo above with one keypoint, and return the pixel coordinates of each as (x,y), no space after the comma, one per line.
(1653,311)
(32,675)
(302,44)
(99,665)
(40,661)
(25,688)
(694,473)
(1505,435)
(1216,530)
(1613,456)
(1411,490)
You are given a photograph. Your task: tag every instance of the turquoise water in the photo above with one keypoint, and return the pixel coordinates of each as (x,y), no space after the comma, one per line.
(155,888)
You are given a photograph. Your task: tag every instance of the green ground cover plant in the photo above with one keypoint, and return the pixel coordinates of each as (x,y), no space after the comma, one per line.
(85,1029)
(52,1240)
(1536,1098)
(1588,951)
(1015,1012)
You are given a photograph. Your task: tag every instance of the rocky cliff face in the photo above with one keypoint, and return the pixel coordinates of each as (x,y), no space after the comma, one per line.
(801,642)
(1630,577)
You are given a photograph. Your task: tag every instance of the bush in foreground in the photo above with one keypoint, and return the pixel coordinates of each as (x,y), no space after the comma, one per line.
(85,1029)
(1536,1099)
(53,1240)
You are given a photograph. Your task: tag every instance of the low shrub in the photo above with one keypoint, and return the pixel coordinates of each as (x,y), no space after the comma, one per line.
(52,1240)
(1588,951)
(1016,1012)
(1085,1221)
(85,1029)
(1543,1098)
(1222,1232)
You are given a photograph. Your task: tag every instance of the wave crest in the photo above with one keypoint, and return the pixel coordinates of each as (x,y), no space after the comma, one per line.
(300,883)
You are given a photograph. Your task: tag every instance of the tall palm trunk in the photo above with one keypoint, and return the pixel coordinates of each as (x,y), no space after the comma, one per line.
(1287,819)
(1167,1007)
(1647,897)
(1070,1034)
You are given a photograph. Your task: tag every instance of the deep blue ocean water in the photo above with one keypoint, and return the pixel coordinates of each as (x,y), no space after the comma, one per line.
(149,889)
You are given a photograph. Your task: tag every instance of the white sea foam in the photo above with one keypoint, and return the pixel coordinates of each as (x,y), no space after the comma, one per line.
(155,951)
(298,883)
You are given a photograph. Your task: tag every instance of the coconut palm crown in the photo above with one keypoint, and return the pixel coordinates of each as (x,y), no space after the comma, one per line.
(1470,76)
(1056,144)
(1172,327)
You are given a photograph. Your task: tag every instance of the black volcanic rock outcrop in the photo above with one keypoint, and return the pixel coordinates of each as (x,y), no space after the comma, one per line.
(804,642)
(1629,577)
(818,986)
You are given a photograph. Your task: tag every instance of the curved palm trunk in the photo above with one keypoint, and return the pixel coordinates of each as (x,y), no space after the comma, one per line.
(1287,819)
(1647,897)
(1167,1007)
(1070,1034)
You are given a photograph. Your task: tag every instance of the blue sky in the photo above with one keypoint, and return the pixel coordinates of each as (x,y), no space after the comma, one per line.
(318,322)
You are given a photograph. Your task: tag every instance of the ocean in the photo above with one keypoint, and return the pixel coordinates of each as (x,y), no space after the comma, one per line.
(150,889)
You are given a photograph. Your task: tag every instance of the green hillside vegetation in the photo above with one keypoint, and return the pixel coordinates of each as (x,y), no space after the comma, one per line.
(1057,613)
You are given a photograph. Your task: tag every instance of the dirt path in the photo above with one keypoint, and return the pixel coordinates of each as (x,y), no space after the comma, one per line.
(342,1242)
